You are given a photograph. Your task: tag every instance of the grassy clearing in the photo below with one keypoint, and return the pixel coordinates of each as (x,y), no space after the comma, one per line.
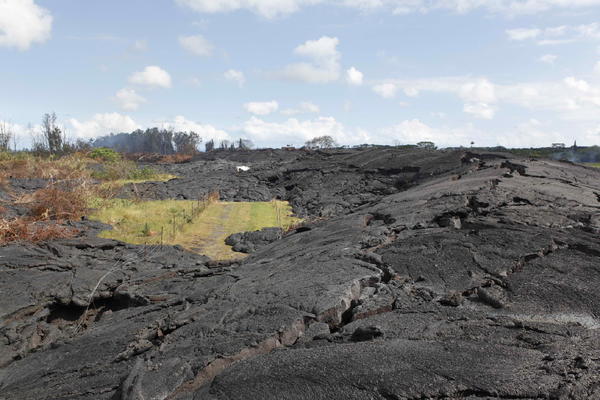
(142,222)
(597,165)
(71,190)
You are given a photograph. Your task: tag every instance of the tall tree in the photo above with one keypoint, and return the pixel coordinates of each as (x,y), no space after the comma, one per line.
(321,142)
(245,144)
(186,142)
(210,145)
(52,134)
(6,134)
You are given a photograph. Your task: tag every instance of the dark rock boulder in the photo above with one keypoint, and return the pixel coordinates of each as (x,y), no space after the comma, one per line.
(250,242)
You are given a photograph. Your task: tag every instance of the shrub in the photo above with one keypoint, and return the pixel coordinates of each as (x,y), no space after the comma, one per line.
(56,204)
(142,174)
(23,165)
(23,229)
(124,170)
(105,154)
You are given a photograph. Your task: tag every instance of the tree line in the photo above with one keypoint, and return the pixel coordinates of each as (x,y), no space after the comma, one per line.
(50,138)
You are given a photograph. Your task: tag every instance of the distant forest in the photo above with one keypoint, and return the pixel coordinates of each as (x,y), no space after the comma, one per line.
(164,141)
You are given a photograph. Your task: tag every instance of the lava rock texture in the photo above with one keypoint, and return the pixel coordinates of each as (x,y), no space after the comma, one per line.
(422,275)
(249,242)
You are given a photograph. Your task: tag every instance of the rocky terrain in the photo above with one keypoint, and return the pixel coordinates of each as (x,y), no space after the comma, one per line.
(419,275)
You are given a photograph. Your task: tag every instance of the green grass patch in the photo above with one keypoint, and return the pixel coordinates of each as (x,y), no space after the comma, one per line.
(596,165)
(153,178)
(128,172)
(105,154)
(205,233)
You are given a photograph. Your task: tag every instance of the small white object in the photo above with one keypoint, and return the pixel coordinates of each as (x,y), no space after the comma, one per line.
(242,168)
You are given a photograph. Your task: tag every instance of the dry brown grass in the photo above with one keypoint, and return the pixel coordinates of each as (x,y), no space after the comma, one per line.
(213,197)
(24,229)
(70,167)
(49,208)
(176,159)
(53,203)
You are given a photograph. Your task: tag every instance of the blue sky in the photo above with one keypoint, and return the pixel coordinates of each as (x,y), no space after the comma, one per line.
(498,72)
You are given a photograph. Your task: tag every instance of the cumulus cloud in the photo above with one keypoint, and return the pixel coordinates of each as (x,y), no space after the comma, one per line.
(274,8)
(354,77)
(556,34)
(205,131)
(265,8)
(22,23)
(324,65)
(304,107)
(548,58)
(597,67)
(478,94)
(480,110)
(235,76)
(414,131)
(478,91)
(386,90)
(128,99)
(20,134)
(570,98)
(523,33)
(261,108)
(103,124)
(295,131)
(151,76)
(530,133)
(196,45)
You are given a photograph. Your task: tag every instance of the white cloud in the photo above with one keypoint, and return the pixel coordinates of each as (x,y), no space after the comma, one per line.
(205,131)
(548,58)
(557,34)
(523,33)
(478,91)
(530,133)
(22,23)
(20,134)
(103,124)
(597,67)
(325,61)
(274,8)
(235,76)
(151,76)
(128,99)
(261,108)
(304,108)
(480,110)
(354,77)
(578,84)
(386,90)
(414,131)
(265,8)
(294,131)
(411,92)
(196,45)
(569,98)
